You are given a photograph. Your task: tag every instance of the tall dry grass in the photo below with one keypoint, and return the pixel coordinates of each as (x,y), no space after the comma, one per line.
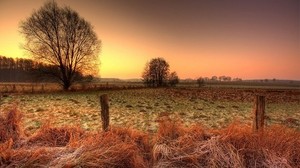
(174,145)
(71,146)
(10,126)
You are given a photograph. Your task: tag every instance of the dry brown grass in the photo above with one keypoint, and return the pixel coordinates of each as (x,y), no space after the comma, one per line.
(71,146)
(54,137)
(234,146)
(10,126)
(172,146)
(191,147)
(115,148)
(281,143)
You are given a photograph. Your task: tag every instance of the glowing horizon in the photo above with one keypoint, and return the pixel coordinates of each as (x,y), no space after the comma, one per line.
(249,40)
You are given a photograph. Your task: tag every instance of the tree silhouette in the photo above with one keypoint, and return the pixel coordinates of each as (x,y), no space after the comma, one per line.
(156,72)
(173,79)
(60,37)
(200,81)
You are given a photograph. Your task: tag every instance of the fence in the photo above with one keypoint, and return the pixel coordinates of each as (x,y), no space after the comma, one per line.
(258,113)
(50,87)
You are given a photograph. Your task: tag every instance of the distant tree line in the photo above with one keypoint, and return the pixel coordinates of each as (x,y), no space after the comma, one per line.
(220,78)
(201,80)
(157,74)
(27,70)
(17,70)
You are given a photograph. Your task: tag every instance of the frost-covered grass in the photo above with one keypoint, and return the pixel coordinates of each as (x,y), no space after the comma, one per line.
(140,108)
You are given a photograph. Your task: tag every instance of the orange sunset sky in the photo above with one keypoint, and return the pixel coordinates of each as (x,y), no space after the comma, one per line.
(250,39)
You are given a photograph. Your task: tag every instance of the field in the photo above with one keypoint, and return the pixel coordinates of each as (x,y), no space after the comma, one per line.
(140,108)
(164,127)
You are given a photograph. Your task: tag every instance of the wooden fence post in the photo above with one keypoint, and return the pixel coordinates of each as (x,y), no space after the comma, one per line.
(259,113)
(32,88)
(14,88)
(43,89)
(104,112)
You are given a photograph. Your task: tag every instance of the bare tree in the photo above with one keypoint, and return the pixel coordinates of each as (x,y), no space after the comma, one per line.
(147,79)
(214,78)
(156,72)
(59,36)
(173,79)
(200,81)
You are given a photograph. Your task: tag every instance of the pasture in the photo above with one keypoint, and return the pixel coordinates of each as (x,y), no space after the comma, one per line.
(164,127)
(141,108)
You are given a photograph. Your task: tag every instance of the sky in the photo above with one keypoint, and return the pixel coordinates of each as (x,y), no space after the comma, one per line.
(249,39)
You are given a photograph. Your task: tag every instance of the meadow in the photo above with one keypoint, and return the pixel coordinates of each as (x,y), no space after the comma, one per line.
(150,127)
(141,108)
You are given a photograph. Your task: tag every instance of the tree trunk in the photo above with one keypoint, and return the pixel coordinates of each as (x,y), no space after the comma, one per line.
(104,112)
(259,113)
(66,85)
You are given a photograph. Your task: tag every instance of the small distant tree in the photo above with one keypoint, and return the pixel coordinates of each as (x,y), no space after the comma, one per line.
(214,78)
(200,81)
(222,78)
(228,78)
(58,36)
(156,72)
(237,79)
(173,79)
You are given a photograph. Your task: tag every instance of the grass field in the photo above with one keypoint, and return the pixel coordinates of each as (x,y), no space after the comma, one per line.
(140,108)
(164,127)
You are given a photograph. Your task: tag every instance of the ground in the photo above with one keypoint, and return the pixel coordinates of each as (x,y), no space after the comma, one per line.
(140,108)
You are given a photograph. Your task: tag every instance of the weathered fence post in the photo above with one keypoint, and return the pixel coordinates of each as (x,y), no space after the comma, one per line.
(14,88)
(43,89)
(32,88)
(259,113)
(104,112)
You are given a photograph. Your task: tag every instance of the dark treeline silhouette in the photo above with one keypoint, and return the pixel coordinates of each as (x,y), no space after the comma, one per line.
(17,70)
(27,70)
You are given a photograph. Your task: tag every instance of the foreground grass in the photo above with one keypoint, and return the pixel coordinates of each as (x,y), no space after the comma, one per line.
(174,145)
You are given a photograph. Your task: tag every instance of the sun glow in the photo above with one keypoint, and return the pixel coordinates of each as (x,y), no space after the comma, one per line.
(11,45)
(117,62)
